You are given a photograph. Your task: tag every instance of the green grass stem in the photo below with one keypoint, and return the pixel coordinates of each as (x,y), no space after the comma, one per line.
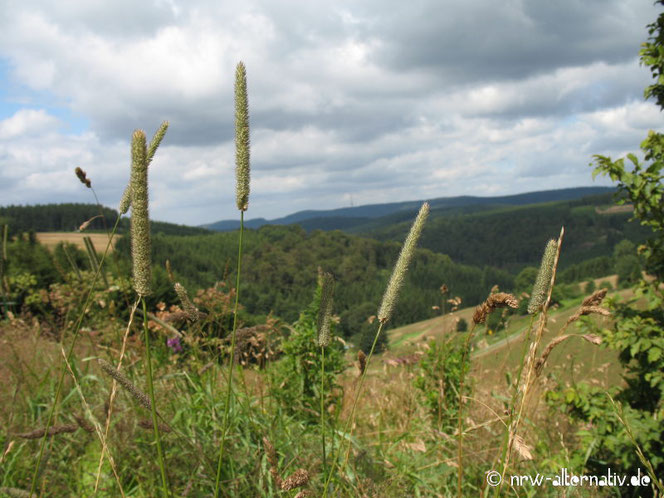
(232,360)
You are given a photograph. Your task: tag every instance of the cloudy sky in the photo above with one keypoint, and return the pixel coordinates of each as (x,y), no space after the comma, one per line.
(351,101)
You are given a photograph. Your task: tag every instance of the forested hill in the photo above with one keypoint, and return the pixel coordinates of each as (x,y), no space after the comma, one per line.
(349,217)
(279,269)
(68,217)
(512,237)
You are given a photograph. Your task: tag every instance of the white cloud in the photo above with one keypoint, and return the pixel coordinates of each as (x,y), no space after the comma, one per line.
(384,101)
(27,122)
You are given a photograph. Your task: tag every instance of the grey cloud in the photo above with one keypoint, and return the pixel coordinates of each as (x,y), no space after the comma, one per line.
(483,41)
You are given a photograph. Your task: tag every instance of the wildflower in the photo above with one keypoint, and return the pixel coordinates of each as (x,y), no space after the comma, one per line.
(174,344)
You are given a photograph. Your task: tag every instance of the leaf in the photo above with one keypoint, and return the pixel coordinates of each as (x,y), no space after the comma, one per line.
(654,354)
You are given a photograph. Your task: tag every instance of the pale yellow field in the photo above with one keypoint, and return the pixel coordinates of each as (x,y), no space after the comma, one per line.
(51,239)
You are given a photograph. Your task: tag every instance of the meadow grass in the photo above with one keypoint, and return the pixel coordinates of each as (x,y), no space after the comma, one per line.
(213,423)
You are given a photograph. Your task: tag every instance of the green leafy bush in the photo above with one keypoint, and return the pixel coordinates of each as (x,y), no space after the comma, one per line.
(297,375)
(439,380)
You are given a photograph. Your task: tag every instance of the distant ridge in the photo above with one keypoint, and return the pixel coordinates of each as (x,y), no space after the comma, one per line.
(335,218)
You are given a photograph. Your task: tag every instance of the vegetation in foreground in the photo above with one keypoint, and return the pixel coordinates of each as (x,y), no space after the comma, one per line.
(109,406)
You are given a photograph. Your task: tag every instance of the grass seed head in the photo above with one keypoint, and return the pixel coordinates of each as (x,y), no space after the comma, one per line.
(595,299)
(543,280)
(52,431)
(82,175)
(138,395)
(325,310)
(399,272)
(140,221)
(298,478)
(125,201)
(361,361)
(190,310)
(242,154)
(494,301)
(156,140)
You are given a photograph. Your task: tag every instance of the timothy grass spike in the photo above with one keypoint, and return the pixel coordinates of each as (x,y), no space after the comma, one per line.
(155,142)
(325,309)
(543,280)
(241,138)
(140,221)
(125,201)
(399,272)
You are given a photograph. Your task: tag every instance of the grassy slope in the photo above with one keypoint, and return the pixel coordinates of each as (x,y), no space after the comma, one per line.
(503,352)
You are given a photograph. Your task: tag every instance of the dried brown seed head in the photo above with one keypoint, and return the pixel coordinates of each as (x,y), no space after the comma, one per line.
(299,478)
(82,175)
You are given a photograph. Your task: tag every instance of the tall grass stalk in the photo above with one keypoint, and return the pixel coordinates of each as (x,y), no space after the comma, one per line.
(114,389)
(229,390)
(153,407)
(466,352)
(242,176)
(70,352)
(95,424)
(528,367)
(384,314)
(322,408)
(326,282)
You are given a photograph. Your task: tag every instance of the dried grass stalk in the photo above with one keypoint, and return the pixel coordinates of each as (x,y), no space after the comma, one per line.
(52,431)
(587,310)
(139,395)
(86,223)
(272,460)
(593,339)
(539,364)
(522,448)
(361,361)
(494,301)
(82,175)
(83,423)
(595,299)
(299,478)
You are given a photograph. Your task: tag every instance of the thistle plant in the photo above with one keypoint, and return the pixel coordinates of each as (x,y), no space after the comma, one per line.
(242,176)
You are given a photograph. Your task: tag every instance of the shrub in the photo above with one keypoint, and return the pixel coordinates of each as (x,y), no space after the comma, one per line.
(297,376)
(439,380)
